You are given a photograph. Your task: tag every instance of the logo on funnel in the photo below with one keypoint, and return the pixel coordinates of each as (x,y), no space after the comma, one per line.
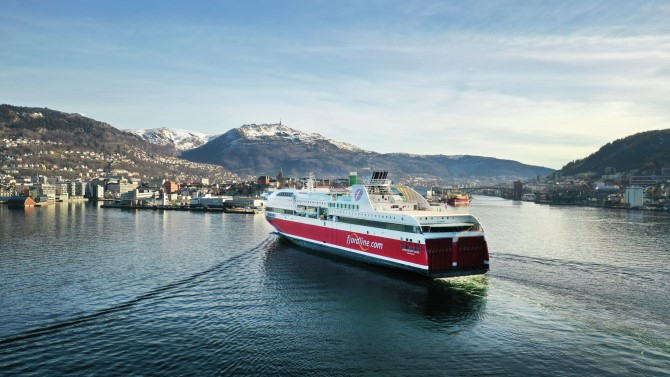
(358,194)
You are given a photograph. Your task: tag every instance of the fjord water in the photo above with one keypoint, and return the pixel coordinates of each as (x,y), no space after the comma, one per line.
(572,291)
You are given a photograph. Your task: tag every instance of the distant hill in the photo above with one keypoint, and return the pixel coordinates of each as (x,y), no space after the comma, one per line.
(647,151)
(68,129)
(180,140)
(36,140)
(266,148)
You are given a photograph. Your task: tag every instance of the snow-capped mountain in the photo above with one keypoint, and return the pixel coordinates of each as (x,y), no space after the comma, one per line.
(182,140)
(280,132)
(267,148)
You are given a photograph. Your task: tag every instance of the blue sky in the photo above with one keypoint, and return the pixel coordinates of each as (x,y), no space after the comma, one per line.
(539,82)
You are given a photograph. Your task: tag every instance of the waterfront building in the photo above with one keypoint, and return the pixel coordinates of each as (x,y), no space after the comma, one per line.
(210,201)
(96,191)
(62,187)
(170,187)
(634,197)
(72,188)
(90,187)
(517,193)
(137,197)
(245,203)
(163,198)
(121,186)
(80,189)
(647,180)
(45,191)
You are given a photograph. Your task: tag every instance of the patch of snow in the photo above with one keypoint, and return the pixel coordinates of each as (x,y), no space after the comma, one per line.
(345,146)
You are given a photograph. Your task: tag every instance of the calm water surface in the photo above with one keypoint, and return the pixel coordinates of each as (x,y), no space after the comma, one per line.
(89,291)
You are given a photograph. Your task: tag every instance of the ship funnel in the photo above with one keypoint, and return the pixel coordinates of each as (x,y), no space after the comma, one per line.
(353,178)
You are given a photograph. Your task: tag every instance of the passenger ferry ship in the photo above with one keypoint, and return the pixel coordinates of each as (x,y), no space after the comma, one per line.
(383,224)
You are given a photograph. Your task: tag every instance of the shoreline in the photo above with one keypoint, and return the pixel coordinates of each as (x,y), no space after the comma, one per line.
(182,208)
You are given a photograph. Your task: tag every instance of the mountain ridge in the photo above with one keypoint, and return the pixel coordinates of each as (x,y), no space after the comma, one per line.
(252,149)
(270,147)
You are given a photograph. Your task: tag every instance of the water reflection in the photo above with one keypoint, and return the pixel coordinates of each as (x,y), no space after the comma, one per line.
(372,290)
(635,217)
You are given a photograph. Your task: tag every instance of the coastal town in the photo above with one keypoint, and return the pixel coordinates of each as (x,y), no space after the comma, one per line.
(125,191)
(629,190)
(36,172)
(633,189)
(50,157)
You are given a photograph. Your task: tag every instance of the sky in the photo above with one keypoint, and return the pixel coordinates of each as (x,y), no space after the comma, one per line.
(539,82)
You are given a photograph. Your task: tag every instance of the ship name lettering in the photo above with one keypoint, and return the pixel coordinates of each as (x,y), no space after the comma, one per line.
(356,240)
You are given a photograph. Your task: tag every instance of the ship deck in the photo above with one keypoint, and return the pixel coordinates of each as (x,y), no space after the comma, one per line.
(420,213)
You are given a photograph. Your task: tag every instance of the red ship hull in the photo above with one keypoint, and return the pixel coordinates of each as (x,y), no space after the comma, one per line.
(458,202)
(442,257)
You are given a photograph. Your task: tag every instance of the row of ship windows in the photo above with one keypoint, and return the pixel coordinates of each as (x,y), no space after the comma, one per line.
(380,224)
(343,206)
(279,210)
